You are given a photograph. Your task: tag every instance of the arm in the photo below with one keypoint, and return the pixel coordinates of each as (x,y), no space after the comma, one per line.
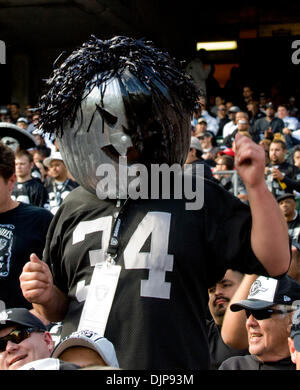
(269,233)
(37,287)
(234,323)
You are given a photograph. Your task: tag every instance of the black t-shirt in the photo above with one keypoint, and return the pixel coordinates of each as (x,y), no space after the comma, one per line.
(30,192)
(22,232)
(251,362)
(294,227)
(165,326)
(219,351)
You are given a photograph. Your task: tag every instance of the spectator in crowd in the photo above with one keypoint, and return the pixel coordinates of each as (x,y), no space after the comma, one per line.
(180,302)
(265,143)
(267,124)
(290,123)
(219,296)
(254,112)
(294,339)
(201,127)
(225,163)
(58,184)
(222,119)
(209,148)
(296,156)
(232,125)
(15,113)
(27,189)
(263,101)
(242,125)
(287,204)
(268,308)
(41,144)
(28,113)
(199,70)
(86,348)
(23,230)
(281,176)
(35,120)
(22,122)
(218,100)
(196,116)
(248,96)
(194,157)
(23,339)
(212,124)
(39,156)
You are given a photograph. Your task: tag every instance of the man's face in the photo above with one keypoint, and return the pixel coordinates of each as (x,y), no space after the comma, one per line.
(220,294)
(23,125)
(282,112)
(276,153)
(57,170)
(23,166)
(295,355)
(247,92)
(297,158)
(14,109)
(6,187)
(270,112)
(288,207)
(268,338)
(36,346)
(205,141)
(200,128)
(222,111)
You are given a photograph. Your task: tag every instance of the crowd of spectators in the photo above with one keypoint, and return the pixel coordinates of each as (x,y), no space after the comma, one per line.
(43,181)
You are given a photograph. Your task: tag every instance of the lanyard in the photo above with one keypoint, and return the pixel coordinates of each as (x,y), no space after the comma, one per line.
(113,246)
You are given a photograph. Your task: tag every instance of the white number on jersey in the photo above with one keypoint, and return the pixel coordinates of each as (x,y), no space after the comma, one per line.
(158,261)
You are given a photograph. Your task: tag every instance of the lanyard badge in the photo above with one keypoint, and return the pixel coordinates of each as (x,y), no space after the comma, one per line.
(103,285)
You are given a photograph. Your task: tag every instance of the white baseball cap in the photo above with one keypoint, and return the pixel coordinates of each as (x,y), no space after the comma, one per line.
(195,144)
(54,156)
(92,340)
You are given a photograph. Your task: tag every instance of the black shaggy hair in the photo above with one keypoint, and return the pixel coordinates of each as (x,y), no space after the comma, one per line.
(158,95)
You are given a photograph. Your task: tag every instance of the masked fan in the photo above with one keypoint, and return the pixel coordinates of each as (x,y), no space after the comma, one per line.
(137,270)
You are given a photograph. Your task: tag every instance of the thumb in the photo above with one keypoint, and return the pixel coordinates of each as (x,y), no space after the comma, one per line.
(34,258)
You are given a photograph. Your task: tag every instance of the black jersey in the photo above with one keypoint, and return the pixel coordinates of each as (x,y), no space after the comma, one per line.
(219,351)
(294,227)
(30,192)
(251,362)
(57,192)
(22,232)
(157,319)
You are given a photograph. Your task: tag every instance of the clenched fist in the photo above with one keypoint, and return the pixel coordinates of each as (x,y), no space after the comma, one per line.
(36,281)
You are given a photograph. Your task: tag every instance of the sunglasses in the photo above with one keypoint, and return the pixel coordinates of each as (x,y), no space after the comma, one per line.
(264,314)
(16,336)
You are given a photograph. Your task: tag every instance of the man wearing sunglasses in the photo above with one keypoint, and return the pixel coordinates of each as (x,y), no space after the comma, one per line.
(268,311)
(23,339)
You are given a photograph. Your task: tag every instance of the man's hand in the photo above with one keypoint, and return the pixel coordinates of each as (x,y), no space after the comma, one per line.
(277,174)
(286,130)
(249,161)
(36,281)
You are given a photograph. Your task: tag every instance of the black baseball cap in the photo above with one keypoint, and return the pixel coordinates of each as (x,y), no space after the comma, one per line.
(295,330)
(266,292)
(20,316)
(285,196)
(271,105)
